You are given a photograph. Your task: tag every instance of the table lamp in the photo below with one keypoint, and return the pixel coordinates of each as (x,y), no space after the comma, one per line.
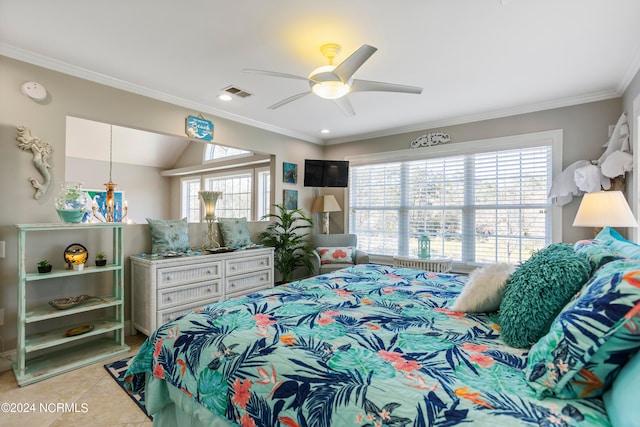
(209,198)
(604,208)
(325,204)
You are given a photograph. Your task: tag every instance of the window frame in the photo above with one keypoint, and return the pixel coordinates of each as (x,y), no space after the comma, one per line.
(257,176)
(553,138)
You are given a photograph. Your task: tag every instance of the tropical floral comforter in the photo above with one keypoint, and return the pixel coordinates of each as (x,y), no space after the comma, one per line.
(368,345)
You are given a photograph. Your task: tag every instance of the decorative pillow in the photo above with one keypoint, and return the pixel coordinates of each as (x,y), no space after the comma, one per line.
(235,232)
(538,290)
(338,255)
(615,241)
(592,338)
(169,235)
(621,400)
(483,291)
(596,252)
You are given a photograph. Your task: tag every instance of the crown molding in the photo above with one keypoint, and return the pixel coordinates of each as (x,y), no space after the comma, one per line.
(489,115)
(82,73)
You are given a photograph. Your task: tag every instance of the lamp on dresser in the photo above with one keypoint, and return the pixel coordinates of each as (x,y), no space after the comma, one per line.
(604,208)
(209,198)
(326,204)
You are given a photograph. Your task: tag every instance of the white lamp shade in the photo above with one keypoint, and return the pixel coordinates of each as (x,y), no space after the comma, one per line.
(326,204)
(604,208)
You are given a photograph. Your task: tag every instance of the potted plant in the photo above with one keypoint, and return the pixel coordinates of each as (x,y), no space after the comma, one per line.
(101,259)
(286,234)
(44,266)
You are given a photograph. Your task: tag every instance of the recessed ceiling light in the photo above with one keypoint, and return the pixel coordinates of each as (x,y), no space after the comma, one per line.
(224,97)
(325,131)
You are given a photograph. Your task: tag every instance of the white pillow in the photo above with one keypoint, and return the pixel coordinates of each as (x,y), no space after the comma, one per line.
(483,292)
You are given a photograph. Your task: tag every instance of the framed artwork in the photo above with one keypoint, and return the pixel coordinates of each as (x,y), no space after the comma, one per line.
(98,198)
(289,173)
(291,199)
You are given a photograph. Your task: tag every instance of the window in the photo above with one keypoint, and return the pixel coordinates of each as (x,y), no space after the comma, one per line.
(216,152)
(190,199)
(264,192)
(480,207)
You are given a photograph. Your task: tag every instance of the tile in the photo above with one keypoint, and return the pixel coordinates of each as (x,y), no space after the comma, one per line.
(106,405)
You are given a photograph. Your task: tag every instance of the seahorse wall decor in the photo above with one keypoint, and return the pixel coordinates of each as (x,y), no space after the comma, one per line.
(42,151)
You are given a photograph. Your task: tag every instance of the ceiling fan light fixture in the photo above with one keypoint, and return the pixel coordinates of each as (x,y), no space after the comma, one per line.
(326,85)
(331,90)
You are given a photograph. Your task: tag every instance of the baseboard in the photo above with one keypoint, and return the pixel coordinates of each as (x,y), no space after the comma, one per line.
(6,360)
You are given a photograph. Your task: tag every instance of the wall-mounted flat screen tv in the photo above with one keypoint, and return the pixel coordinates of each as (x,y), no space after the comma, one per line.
(326,173)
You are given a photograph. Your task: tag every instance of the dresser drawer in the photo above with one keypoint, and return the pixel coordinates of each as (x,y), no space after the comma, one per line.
(247,265)
(170,297)
(171,276)
(248,282)
(169,314)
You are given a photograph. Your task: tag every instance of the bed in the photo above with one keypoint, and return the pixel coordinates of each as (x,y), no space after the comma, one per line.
(369,345)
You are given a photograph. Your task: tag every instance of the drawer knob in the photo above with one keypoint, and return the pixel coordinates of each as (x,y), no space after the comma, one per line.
(233,285)
(168,278)
(208,271)
(208,289)
(233,267)
(168,299)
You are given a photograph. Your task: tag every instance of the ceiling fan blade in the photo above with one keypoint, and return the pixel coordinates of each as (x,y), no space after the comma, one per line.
(371,86)
(349,66)
(287,100)
(345,106)
(274,74)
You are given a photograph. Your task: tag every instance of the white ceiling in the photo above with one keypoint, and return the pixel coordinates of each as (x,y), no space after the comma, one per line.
(475,59)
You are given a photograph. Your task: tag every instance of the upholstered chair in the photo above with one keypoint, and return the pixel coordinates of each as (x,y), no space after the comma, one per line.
(335,241)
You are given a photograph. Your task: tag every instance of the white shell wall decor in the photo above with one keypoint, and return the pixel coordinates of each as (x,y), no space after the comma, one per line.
(42,151)
(430,139)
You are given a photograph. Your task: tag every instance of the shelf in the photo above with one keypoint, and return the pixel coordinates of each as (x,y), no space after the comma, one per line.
(49,365)
(48,312)
(57,336)
(45,354)
(31,277)
(68,225)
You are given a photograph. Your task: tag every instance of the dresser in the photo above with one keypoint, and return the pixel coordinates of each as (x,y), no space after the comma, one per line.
(163,289)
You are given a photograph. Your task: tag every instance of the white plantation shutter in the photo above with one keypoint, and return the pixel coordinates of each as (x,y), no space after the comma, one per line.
(476,208)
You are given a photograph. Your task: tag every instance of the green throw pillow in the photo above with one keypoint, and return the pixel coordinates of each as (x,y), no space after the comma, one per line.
(169,235)
(235,232)
(538,290)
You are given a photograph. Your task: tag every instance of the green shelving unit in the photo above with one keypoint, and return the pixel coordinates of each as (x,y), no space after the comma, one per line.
(51,352)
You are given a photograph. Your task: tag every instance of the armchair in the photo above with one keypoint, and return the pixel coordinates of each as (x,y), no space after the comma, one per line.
(332,241)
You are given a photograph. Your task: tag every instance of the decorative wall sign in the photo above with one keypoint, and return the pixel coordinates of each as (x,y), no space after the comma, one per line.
(430,139)
(290,199)
(42,151)
(289,173)
(199,127)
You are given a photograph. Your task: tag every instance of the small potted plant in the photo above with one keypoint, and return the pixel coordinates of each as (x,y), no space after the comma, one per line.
(101,260)
(44,266)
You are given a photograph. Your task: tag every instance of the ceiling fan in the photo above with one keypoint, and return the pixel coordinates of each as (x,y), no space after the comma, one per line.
(335,81)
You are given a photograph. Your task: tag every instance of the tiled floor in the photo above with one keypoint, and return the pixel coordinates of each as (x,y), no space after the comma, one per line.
(97,397)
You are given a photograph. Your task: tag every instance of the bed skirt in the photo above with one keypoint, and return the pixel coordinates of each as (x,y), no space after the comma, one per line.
(171,407)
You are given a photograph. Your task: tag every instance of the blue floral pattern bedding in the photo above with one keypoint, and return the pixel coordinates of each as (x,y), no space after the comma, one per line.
(366,346)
